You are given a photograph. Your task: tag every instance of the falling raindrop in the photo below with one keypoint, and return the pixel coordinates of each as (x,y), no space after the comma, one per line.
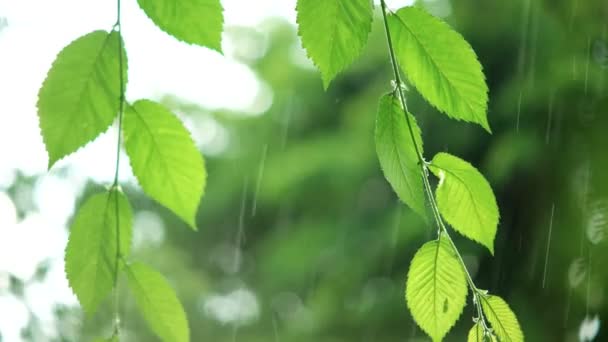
(518,112)
(548,244)
(568,304)
(287,120)
(521,63)
(589,328)
(533,43)
(587,64)
(525,23)
(258,183)
(240,235)
(549,119)
(275,328)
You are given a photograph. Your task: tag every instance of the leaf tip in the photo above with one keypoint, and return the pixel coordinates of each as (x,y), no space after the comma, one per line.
(486,126)
(192,225)
(326,79)
(491,248)
(217,47)
(52,162)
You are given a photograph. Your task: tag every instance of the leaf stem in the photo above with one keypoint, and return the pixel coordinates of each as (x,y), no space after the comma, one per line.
(115,183)
(122,92)
(424,166)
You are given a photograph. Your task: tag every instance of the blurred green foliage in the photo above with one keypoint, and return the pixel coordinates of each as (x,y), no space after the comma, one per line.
(298,215)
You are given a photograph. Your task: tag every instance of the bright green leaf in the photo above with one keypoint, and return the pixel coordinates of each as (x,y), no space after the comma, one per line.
(476,334)
(334,32)
(111,339)
(158,303)
(164,158)
(91,253)
(80,96)
(503,320)
(465,199)
(436,288)
(440,64)
(197,22)
(397,153)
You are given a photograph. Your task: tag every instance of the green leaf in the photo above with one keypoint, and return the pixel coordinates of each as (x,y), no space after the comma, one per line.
(397,153)
(440,64)
(197,22)
(465,199)
(90,256)
(158,303)
(111,339)
(80,96)
(476,334)
(503,320)
(334,32)
(164,158)
(436,288)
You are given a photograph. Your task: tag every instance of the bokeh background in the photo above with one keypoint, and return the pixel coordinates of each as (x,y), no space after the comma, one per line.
(300,237)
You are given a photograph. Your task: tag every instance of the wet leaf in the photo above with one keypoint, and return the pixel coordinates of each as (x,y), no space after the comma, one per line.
(465,199)
(334,32)
(477,334)
(436,288)
(503,320)
(397,153)
(192,21)
(80,96)
(90,256)
(441,65)
(165,160)
(158,303)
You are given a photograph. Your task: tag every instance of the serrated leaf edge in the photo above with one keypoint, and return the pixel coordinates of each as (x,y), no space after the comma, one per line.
(483,122)
(328,78)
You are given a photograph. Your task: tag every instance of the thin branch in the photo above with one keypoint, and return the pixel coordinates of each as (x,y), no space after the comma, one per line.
(115,184)
(424,166)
